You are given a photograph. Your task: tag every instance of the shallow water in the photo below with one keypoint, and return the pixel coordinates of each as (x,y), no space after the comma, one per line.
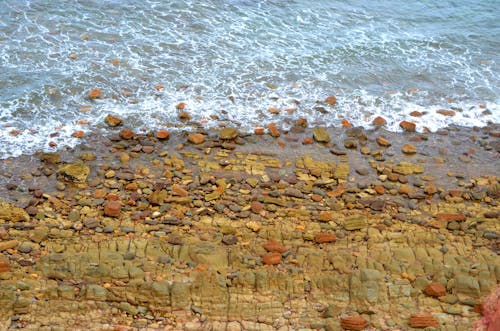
(230,61)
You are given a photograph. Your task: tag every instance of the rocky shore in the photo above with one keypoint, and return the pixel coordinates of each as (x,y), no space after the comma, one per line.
(310,229)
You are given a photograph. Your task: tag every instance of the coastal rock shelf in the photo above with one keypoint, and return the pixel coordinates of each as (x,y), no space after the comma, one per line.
(252,232)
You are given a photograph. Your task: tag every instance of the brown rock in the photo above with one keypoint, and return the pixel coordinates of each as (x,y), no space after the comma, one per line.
(196,138)
(95,94)
(256,207)
(449,217)
(379,121)
(321,238)
(383,142)
(302,122)
(409,149)
(379,189)
(159,87)
(445,112)
(179,191)
(271,258)
(346,124)
(112,208)
(325,216)
(258,130)
(78,134)
(4,265)
(274,246)
(181,105)
(307,141)
(184,115)
(430,188)
(5,245)
(435,290)
(113,121)
(228,133)
(408,126)
(331,100)
(422,321)
(416,114)
(162,134)
(273,110)
(273,130)
(355,323)
(127,134)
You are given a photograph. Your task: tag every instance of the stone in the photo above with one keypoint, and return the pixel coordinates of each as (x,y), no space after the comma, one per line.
(273,130)
(113,121)
(12,213)
(407,126)
(94,94)
(331,100)
(256,207)
(320,135)
(350,144)
(113,208)
(379,121)
(73,172)
(422,321)
(275,247)
(4,265)
(196,138)
(271,258)
(435,290)
(5,245)
(354,223)
(321,238)
(228,133)
(127,134)
(162,134)
(259,130)
(407,168)
(409,149)
(50,158)
(355,323)
(450,217)
(179,191)
(446,112)
(383,142)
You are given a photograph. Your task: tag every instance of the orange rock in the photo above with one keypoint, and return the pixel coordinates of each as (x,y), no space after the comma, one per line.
(115,62)
(308,141)
(73,56)
(290,111)
(196,138)
(52,144)
(449,217)
(274,246)
(131,186)
(78,134)
(99,193)
(321,238)
(15,133)
(346,124)
(331,100)
(435,290)
(325,216)
(273,110)
(455,193)
(445,112)
(95,94)
(184,115)
(302,122)
(416,114)
(4,265)
(409,149)
(256,207)
(383,142)
(405,189)
(271,258)
(181,105)
(273,130)
(112,208)
(337,192)
(422,321)
(379,189)
(113,121)
(408,126)
(316,198)
(356,323)
(82,122)
(179,190)
(127,134)
(159,87)
(258,130)
(162,134)
(281,143)
(379,121)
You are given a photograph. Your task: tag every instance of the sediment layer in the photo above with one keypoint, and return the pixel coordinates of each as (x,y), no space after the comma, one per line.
(337,228)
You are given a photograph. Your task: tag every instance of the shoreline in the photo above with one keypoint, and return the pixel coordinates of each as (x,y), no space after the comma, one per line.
(366,230)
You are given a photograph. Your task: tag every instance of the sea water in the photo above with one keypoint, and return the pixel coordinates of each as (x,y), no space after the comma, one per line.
(229,62)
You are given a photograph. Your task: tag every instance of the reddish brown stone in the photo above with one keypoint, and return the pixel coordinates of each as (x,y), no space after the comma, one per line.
(316,198)
(148,149)
(379,189)
(256,207)
(435,290)
(408,126)
(409,149)
(448,217)
(445,112)
(379,121)
(321,238)
(422,321)
(181,106)
(4,265)
(455,193)
(78,134)
(325,216)
(346,124)
(162,134)
(127,134)
(113,121)
(184,115)
(308,141)
(383,142)
(196,138)
(331,100)
(273,110)
(159,87)
(100,193)
(274,246)
(271,258)
(258,130)
(302,122)
(95,94)
(356,323)
(113,208)
(416,114)
(273,130)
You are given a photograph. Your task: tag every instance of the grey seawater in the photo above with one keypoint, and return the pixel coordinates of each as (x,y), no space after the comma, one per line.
(230,61)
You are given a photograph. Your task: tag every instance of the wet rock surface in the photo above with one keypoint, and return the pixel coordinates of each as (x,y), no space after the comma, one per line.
(229,231)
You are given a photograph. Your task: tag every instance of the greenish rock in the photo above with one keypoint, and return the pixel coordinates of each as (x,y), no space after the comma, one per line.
(407,168)
(320,135)
(467,285)
(95,292)
(453,310)
(10,212)
(354,223)
(51,158)
(128,308)
(228,133)
(341,171)
(208,254)
(74,215)
(73,172)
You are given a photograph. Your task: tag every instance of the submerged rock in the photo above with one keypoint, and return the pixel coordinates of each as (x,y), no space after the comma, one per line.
(73,172)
